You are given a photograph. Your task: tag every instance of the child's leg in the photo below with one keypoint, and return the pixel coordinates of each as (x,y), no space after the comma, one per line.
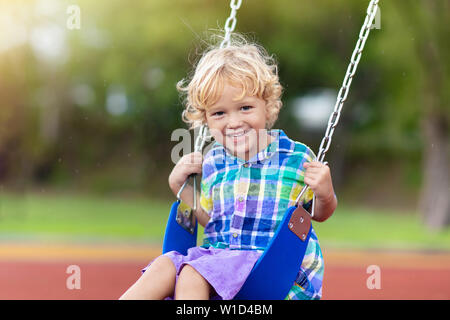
(157,282)
(191,285)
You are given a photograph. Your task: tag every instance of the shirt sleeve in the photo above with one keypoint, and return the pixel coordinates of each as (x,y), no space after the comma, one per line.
(206,202)
(208,170)
(307,197)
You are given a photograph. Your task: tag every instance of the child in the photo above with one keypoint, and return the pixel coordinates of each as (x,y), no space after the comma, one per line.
(250,176)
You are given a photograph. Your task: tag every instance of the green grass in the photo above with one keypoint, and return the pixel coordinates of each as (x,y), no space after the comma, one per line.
(379,228)
(82,216)
(89,218)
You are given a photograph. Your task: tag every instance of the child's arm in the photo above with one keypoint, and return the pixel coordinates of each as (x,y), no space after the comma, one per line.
(200,214)
(318,178)
(191,163)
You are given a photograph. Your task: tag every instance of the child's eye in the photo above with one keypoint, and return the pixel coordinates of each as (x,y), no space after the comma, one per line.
(246,108)
(217,114)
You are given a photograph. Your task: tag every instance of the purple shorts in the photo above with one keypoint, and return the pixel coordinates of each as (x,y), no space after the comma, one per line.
(226,270)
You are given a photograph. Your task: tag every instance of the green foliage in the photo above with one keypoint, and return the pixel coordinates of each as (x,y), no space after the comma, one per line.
(143,49)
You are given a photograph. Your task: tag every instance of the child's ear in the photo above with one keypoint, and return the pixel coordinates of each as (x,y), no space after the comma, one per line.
(268,126)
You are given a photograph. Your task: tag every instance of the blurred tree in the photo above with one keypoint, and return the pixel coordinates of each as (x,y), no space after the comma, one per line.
(428,19)
(113,102)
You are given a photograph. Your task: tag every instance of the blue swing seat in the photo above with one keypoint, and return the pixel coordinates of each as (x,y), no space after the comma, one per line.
(275,271)
(177,238)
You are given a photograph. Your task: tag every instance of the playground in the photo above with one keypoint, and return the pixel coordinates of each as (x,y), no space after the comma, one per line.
(88,144)
(53,231)
(30,271)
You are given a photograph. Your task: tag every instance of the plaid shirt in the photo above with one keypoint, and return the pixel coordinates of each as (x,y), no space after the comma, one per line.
(246,201)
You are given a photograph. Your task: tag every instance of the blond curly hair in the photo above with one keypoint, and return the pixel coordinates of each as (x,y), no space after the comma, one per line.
(243,65)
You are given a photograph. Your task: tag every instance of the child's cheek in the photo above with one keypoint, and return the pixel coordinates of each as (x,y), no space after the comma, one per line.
(220,139)
(217,135)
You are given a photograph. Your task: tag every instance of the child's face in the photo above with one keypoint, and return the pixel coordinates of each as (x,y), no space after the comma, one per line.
(239,125)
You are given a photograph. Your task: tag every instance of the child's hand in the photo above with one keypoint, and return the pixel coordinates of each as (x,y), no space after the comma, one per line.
(318,178)
(188,164)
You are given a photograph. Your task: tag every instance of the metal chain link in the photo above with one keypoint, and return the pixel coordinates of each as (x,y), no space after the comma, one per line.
(198,147)
(343,92)
(351,70)
(230,24)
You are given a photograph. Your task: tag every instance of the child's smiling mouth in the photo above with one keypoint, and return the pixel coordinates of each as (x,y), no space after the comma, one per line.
(237,136)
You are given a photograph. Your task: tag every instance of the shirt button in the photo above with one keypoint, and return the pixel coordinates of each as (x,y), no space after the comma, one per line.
(235,235)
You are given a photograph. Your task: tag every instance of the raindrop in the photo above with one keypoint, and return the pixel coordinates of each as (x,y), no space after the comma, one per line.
(154,77)
(83,95)
(116,101)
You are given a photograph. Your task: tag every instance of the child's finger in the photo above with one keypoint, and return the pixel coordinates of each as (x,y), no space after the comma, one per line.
(312,164)
(194,158)
(316,164)
(313,170)
(196,155)
(190,169)
(310,182)
(196,169)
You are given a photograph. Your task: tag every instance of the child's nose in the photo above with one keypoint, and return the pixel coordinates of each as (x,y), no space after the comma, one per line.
(234,121)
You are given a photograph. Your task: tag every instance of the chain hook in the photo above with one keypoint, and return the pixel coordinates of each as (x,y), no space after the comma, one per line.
(198,146)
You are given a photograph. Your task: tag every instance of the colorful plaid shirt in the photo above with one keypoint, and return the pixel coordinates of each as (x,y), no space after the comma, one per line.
(246,201)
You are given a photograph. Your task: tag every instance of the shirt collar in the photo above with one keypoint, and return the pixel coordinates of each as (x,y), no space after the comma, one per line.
(268,152)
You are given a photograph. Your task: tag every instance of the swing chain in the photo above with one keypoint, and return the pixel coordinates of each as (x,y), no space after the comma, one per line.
(198,146)
(344,90)
(230,23)
(351,70)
